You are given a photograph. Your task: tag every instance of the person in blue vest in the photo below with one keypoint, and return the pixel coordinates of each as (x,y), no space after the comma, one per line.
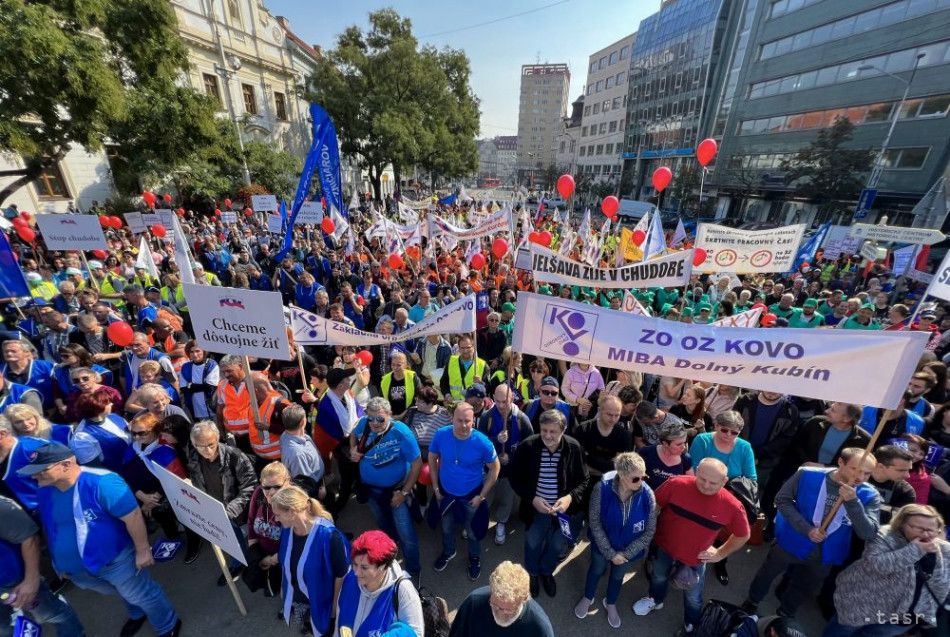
(139,352)
(803,503)
(15,393)
(109,430)
(21,365)
(20,577)
(894,422)
(313,556)
(305,291)
(96,536)
(15,454)
(257,280)
(199,379)
(622,521)
(377,596)
(548,392)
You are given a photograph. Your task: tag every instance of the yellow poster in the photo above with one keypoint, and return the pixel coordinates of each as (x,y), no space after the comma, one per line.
(631,252)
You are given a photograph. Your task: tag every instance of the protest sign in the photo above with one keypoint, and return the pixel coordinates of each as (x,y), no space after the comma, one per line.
(166,217)
(71,232)
(838,242)
(523,259)
(497,222)
(631,251)
(940,285)
(632,305)
(748,251)
(916,275)
(134,221)
(311,212)
(264,203)
(229,216)
(903,258)
(150,219)
(869,368)
(238,321)
(749,318)
(669,271)
(310,329)
(898,234)
(274,224)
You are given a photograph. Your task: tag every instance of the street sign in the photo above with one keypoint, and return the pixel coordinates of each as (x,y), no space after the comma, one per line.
(864,203)
(898,234)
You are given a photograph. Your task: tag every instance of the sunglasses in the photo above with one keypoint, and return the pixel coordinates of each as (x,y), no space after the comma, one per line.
(549,393)
(375,419)
(730,432)
(635,479)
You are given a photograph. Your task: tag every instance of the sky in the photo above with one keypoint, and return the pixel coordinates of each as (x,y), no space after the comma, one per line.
(553,31)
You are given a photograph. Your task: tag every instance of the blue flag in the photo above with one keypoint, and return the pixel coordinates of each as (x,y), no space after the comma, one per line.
(12,282)
(323,157)
(808,249)
(448,201)
(283,214)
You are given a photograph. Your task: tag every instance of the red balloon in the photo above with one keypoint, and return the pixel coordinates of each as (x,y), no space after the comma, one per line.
(396,262)
(699,257)
(217,212)
(768,320)
(706,151)
(180,212)
(25,216)
(227,202)
(565,186)
(759,306)
(425,477)
(100,254)
(167,198)
(149,198)
(105,221)
(545,239)
(120,333)
(116,222)
(499,248)
(327,225)
(639,236)
(610,205)
(248,212)
(365,356)
(26,233)
(662,177)
(478,261)
(19,222)
(159,230)
(534,237)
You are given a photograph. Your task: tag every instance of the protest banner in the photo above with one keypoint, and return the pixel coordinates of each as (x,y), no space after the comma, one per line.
(71,232)
(497,222)
(902,259)
(150,219)
(866,368)
(311,212)
(204,515)
(275,224)
(669,271)
(238,321)
(897,234)
(749,318)
(916,275)
(310,329)
(838,242)
(229,216)
(264,203)
(135,223)
(523,259)
(166,217)
(632,305)
(748,251)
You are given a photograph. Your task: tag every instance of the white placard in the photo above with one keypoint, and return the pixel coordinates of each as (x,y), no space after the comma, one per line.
(672,270)
(873,252)
(238,321)
(166,217)
(264,203)
(838,242)
(229,216)
(274,224)
(134,221)
(198,511)
(150,220)
(940,284)
(748,251)
(71,232)
(898,234)
(311,212)
(818,363)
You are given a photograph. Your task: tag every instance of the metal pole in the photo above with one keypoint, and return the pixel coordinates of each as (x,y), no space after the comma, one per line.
(878,168)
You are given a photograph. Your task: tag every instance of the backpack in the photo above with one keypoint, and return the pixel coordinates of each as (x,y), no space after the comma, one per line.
(435,611)
(721,619)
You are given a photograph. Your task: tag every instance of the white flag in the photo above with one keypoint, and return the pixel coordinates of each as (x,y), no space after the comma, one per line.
(144,259)
(632,305)
(474,247)
(584,230)
(354,202)
(679,235)
(350,248)
(182,257)
(940,285)
(655,242)
(340,223)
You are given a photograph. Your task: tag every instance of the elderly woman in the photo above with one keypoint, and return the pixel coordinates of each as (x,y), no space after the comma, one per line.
(622,518)
(313,558)
(110,431)
(903,575)
(263,531)
(668,458)
(377,596)
(73,356)
(26,421)
(89,382)
(153,398)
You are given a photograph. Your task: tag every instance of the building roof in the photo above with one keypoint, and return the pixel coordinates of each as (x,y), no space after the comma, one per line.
(296,39)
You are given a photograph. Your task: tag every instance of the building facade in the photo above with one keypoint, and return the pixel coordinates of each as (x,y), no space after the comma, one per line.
(81,178)
(542,104)
(568,137)
(807,62)
(603,124)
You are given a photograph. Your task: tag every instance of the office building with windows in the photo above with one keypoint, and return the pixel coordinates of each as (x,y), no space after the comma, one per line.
(804,63)
(542,104)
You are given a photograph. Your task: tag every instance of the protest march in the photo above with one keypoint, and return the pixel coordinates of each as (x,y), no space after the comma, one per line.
(248,384)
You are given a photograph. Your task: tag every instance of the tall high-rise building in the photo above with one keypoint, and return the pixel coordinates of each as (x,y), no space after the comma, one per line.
(543,102)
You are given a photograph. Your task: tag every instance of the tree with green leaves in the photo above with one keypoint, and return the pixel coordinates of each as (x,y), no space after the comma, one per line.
(81,73)
(827,172)
(396,103)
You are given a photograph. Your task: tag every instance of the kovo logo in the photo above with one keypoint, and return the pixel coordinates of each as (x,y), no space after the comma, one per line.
(568,332)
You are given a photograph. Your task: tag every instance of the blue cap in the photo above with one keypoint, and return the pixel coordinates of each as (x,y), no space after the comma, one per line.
(44,456)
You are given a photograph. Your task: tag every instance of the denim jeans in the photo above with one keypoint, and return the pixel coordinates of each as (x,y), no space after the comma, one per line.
(48,609)
(449,527)
(543,545)
(397,524)
(659,584)
(834,629)
(141,594)
(598,566)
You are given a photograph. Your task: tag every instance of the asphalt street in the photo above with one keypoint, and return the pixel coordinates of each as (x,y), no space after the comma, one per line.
(206,609)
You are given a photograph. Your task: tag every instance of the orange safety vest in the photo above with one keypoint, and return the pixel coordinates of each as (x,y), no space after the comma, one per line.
(237,407)
(264,443)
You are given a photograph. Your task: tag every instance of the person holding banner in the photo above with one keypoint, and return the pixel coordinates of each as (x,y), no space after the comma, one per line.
(97,537)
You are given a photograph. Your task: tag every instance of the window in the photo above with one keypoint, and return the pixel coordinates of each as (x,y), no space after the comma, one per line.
(613,127)
(683,49)
(561,147)
(597,168)
(583,151)
(600,149)
(50,184)
(934,106)
(590,89)
(613,58)
(584,132)
(609,82)
(250,101)
(678,81)
(619,79)
(608,149)
(624,52)
(280,104)
(596,108)
(605,106)
(603,128)
(590,150)
(662,88)
(603,62)
(586,111)
(692,106)
(234,11)
(211,88)
(600,86)
(905,158)
(593,67)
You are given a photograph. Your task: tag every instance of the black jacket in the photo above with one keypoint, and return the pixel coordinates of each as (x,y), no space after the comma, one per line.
(572,474)
(237,477)
(807,443)
(781,433)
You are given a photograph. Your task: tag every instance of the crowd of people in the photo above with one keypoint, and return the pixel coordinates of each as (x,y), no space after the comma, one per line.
(659,475)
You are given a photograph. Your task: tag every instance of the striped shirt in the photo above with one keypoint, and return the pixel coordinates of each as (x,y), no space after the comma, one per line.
(547,476)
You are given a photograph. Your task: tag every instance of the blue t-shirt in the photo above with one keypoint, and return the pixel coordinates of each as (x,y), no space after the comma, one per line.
(114,497)
(658,471)
(388,462)
(834,438)
(462,467)
(740,461)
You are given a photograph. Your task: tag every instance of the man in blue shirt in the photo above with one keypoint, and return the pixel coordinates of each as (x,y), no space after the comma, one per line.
(390,462)
(458,458)
(78,504)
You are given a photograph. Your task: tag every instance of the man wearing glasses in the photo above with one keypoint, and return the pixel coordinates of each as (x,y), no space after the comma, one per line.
(78,504)
(547,400)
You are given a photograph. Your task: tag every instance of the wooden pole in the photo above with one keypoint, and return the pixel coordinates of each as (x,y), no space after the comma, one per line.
(304,381)
(249,385)
(227,576)
(89,270)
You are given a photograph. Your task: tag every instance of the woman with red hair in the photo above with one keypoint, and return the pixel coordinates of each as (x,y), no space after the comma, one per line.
(111,432)
(377,596)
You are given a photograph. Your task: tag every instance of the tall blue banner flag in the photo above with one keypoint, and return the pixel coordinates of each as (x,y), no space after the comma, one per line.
(12,281)
(323,157)
(808,249)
